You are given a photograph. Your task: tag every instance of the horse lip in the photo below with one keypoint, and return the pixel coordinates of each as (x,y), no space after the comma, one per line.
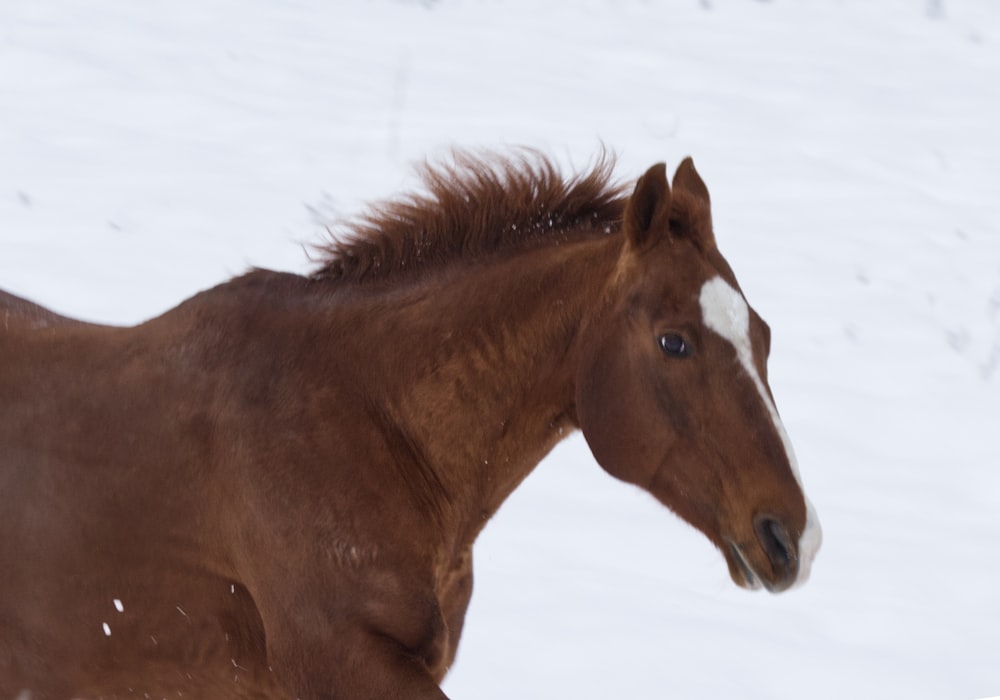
(753,581)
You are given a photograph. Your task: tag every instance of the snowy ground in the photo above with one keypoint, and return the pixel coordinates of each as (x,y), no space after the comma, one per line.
(148,150)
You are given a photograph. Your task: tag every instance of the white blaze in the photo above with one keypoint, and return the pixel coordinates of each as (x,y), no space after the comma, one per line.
(725,312)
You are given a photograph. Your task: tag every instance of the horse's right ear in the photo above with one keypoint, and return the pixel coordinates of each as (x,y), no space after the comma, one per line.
(647,214)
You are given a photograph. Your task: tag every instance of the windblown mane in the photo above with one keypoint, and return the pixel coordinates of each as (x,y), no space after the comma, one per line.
(472,207)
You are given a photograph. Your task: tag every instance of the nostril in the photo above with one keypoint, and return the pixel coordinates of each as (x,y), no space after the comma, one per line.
(777,542)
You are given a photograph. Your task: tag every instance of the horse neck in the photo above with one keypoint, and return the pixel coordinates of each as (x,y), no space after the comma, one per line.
(496,392)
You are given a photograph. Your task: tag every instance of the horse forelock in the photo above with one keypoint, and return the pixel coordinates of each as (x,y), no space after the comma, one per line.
(474,206)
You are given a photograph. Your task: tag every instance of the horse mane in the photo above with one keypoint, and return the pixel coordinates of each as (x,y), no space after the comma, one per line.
(473,206)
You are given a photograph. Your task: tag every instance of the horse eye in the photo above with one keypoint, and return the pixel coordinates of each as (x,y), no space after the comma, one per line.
(674,345)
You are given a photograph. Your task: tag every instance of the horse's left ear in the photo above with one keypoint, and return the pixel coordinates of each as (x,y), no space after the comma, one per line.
(647,214)
(692,215)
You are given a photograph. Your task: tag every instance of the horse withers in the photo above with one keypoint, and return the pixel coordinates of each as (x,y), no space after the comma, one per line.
(273,489)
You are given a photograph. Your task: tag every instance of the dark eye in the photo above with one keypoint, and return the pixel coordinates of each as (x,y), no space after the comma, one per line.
(674,345)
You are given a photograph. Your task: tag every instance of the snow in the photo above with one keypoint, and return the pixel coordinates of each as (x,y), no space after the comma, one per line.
(851,148)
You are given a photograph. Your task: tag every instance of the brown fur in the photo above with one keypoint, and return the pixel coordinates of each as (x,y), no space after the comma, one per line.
(281,479)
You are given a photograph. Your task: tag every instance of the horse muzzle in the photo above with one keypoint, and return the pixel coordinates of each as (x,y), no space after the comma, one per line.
(771,560)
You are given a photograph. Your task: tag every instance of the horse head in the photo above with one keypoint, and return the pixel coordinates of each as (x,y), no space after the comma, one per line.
(672,390)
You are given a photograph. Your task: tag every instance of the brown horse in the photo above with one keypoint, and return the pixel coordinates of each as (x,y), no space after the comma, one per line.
(273,489)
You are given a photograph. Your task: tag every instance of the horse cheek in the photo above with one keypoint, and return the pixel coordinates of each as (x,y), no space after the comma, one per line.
(617,417)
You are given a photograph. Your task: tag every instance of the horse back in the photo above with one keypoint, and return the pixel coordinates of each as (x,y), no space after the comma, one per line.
(18,313)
